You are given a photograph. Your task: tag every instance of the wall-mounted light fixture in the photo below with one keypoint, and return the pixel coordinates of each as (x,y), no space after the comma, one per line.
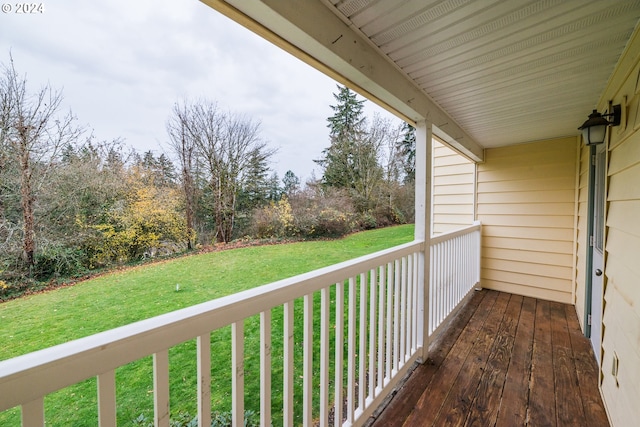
(595,128)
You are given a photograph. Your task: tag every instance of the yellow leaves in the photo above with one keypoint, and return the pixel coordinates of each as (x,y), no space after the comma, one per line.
(139,226)
(275,220)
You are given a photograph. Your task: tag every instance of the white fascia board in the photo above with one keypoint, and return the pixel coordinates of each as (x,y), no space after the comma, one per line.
(309,30)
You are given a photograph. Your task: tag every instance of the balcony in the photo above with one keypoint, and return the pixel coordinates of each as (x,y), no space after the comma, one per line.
(371,318)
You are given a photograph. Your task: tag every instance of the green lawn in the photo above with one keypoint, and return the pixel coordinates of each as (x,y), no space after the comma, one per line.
(43,320)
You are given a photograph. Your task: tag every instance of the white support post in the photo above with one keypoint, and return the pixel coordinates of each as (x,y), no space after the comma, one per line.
(423,226)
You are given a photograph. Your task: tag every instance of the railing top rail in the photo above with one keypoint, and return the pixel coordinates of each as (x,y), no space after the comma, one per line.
(476,226)
(32,375)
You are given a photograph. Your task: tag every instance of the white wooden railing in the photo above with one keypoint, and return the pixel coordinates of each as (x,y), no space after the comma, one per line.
(455,271)
(371,310)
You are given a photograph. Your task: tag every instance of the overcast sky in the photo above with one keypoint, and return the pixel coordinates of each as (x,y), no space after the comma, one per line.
(122,64)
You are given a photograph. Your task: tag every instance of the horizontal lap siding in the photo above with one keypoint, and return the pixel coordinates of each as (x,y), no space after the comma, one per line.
(453,185)
(621,331)
(526,202)
(621,319)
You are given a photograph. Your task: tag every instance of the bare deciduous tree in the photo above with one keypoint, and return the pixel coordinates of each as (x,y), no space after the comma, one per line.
(227,145)
(183,145)
(32,135)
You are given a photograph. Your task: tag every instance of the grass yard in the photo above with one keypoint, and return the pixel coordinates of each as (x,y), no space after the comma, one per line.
(40,321)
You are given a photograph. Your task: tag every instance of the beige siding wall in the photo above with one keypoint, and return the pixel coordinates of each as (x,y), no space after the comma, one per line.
(621,321)
(526,202)
(453,185)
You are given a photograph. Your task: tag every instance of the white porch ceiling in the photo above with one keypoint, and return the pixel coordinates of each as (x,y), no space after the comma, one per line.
(507,71)
(488,72)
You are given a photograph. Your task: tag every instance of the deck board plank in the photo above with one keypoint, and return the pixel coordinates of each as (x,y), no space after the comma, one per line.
(569,410)
(428,406)
(587,372)
(484,409)
(508,361)
(542,406)
(458,403)
(412,389)
(513,407)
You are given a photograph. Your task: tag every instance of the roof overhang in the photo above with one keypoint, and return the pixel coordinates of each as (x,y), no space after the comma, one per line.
(483,73)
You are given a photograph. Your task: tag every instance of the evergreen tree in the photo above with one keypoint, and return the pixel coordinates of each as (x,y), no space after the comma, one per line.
(291,183)
(351,161)
(273,187)
(346,128)
(256,184)
(149,161)
(407,148)
(166,170)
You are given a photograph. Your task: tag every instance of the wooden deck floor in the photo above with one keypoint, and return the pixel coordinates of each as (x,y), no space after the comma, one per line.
(505,360)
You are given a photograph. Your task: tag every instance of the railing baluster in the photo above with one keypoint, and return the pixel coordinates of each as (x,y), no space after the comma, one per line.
(373,300)
(351,353)
(362,345)
(33,413)
(389,335)
(265,368)
(442,282)
(339,355)
(432,293)
(381,331)
(447,282)
(408,309)
(107,399)
(288,365)
(161,388)
(410,299)
(307,369)
(237,366)
(414,318)
(203,360)
(396,317)
(324,357)
(403,313)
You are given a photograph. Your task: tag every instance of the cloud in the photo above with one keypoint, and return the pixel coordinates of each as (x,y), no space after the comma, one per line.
(122,65)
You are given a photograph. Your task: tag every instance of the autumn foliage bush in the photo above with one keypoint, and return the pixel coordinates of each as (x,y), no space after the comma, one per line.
(308,214)
(150,221)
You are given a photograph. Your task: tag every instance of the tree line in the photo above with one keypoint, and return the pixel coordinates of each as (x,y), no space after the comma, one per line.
(71,204)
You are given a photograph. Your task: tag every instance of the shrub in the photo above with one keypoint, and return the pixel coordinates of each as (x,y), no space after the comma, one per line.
(140,228)
(10,289)
(333,223)
(367,221)
(274,220)
(308,214)
(57,260)
(327,213)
